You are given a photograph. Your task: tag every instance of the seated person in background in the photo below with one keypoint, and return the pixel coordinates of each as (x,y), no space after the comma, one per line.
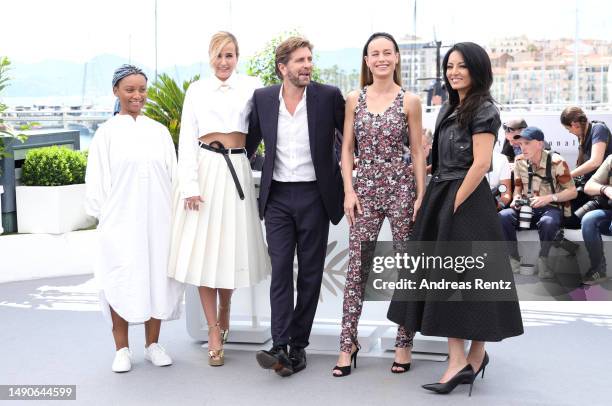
(597,221)
(594,140)
(595,146)
(499,180)
(543,187)
(511,147)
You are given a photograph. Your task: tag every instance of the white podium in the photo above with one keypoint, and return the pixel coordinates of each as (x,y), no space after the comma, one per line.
(250,313)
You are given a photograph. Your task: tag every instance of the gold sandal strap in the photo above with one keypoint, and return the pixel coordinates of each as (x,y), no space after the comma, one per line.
(215,353)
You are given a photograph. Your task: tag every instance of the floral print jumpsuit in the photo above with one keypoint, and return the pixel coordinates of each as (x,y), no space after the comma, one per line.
(385,188)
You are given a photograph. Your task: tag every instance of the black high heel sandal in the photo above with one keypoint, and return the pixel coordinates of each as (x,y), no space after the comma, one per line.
(405,367)
(346,370)
(465,375)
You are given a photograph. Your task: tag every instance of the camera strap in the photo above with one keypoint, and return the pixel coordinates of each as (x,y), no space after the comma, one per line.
(548,177)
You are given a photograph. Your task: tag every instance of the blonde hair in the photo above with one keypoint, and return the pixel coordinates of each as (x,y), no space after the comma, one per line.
(219,41)
(284,50)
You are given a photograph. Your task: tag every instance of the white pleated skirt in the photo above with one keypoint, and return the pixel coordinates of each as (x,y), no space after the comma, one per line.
(221,245)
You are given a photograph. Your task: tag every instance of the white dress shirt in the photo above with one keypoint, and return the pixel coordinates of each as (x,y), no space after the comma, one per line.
(211,106)
(293,162)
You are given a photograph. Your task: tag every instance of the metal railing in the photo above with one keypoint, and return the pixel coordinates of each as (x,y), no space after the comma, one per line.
(66,116)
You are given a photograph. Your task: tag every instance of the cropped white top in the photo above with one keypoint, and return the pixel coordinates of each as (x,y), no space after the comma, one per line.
(211,106)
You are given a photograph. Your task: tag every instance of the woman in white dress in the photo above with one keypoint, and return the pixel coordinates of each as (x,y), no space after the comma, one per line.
(217,241)
(131,165)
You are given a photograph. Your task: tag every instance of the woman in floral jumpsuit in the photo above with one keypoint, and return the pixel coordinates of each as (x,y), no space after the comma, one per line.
(379,117)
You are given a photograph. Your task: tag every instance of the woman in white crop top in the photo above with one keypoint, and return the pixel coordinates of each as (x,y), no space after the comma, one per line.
(217,240)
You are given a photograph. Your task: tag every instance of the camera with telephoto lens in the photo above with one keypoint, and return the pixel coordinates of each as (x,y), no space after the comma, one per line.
(525,213)
(600,202)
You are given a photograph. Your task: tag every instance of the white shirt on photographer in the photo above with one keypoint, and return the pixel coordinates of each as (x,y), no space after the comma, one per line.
(501,170)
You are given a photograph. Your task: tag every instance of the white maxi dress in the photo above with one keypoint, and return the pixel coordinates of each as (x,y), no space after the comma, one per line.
(130,171)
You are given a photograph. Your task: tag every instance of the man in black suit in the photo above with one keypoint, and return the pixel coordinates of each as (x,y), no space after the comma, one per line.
(301,192)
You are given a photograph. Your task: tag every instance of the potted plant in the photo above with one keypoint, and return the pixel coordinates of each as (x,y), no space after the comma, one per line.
(52,196)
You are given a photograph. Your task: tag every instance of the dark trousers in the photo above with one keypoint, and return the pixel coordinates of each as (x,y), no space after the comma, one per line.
(295,218)
(594,224)
(547,220)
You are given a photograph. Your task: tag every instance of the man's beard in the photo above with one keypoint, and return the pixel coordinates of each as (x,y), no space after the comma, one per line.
(295,80)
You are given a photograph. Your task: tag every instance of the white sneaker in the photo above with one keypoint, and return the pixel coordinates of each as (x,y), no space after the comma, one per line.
(123,360)
(515,264)
(544,272)
(157,355)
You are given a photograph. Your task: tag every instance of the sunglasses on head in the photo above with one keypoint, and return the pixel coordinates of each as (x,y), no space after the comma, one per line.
(509,129)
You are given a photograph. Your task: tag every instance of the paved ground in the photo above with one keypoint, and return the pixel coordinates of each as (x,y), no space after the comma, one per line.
(52,334)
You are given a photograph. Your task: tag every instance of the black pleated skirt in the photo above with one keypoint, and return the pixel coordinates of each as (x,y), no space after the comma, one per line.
(475,220)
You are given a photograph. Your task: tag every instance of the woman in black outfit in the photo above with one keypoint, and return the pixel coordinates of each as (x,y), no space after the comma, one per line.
(458,206)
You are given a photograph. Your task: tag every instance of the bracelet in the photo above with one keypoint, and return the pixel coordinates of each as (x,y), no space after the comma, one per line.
(602,190)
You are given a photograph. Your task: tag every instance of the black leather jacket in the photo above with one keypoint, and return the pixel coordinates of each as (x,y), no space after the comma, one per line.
(452,149)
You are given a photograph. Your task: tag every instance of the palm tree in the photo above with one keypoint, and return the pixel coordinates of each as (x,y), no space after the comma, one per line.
(166,103)
(6,131)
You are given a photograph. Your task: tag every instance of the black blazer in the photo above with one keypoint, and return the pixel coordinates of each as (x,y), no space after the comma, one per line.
(325,109)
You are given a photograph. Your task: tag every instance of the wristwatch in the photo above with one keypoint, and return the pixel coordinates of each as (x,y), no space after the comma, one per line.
(555,198)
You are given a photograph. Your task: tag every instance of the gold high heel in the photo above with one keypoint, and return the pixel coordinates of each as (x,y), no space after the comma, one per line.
(216,358)
(224,333)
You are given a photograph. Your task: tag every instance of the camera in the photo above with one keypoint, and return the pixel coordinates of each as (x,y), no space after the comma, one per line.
(525,213)
(599,202)
(580,181)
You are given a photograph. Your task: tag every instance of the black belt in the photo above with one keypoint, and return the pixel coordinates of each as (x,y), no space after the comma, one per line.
(225,152)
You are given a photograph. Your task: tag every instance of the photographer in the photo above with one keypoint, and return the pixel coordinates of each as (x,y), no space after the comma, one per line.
(594,140)
(511,147)
(542,191)
(598,221)
(594,146)
(499,180)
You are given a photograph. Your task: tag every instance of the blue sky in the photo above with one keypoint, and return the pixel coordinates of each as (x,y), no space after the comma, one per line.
(78,30)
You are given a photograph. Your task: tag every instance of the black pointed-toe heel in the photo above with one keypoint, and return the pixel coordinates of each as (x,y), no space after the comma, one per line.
(465,375)
(406,367)
(346,370)
(483,365)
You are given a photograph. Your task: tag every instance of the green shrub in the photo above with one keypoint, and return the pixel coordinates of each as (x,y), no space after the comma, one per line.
(53,166)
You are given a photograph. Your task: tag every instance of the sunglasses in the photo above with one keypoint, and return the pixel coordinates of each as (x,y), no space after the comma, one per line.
(510,129)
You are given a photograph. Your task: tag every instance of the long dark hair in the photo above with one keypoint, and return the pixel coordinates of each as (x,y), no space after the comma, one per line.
(479,65)
(366,77)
